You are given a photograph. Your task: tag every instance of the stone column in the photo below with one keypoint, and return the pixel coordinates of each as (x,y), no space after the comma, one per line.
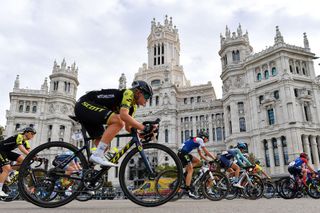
(315,152)
(271,156)
(210,128)
(281,157)
(306,145)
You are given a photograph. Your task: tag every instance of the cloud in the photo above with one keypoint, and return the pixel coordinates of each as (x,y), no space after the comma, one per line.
(107,38)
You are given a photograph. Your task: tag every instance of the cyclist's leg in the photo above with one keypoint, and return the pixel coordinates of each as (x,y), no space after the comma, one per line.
(189,169)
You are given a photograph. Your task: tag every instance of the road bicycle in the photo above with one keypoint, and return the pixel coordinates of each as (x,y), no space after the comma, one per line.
(11,187)
(140,167)
(207,183)
(252,185)
(293,186)
(269,189)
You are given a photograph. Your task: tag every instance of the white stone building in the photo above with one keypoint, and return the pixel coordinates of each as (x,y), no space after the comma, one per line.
(270,99)
(46,109)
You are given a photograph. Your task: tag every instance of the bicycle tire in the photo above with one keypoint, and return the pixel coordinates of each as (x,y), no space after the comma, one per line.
(130,194)
(314,189)
(84,196)
(167,173)
(219,189)
(255,192)
(24,172)
(269,190)
(288,188)
(12,191)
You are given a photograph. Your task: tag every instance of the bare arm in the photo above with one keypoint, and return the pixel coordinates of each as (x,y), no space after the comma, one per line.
(23,149)
(130,121)
(201,155)
(208,153)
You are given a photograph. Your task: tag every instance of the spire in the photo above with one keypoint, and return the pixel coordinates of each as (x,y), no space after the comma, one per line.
(153,24)
(278,39)
(306,42)
(63,64)
(122,82)
(227,32)
(239,30)
(44,86)
(166,21)
(17,83)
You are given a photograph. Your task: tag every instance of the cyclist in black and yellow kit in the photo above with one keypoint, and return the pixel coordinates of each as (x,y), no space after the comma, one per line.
(114,108)
(20,141)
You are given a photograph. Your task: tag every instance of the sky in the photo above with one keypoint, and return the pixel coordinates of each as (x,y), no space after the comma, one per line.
(108,37)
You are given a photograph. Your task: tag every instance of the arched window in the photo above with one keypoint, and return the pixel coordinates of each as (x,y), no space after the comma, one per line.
(266,153)
(237,55)
(260,99)
(34,109)
(273,71)
(259,76)
(17,127)
(266,74)
(276,94)
(157,100)
(291,69)
(275,152)
(285,150)
(233,56)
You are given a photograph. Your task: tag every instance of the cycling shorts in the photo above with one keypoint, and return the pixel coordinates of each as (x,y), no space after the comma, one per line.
(185,158)
(225,162)
(93,117)
(6,157)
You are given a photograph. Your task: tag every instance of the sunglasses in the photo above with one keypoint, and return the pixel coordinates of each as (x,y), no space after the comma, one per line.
(146,96)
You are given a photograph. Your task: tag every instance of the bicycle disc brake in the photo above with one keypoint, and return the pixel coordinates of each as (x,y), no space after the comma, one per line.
(90,181)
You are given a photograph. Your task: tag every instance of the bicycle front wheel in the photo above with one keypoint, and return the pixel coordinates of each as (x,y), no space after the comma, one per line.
(142,187)
(60,179)
(269,190)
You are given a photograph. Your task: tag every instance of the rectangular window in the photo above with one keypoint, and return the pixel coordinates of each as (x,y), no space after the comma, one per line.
(182,137)
(219,134)
(270,116)
(213,134)
(166,136)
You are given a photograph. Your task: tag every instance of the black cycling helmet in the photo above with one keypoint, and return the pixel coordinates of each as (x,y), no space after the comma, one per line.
(203,134)
(241,145)
(143,86)
(29,129)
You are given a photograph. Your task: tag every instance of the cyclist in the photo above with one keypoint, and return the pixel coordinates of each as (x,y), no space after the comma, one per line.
(258,170)
(300,166)
(227,158)
(114,108)
(20,141)
(189,161)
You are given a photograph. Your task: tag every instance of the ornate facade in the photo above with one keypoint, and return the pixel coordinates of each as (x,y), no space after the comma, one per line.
(270,99)
(46,109)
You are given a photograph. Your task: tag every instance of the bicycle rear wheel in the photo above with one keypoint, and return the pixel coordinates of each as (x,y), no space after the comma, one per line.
(215,187)
(60,180)
(269,190)
(140,186)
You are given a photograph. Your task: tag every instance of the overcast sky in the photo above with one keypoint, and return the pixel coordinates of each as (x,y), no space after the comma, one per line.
(109,37)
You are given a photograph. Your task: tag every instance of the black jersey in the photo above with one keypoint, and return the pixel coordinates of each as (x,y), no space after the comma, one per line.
(112,99)
(13,142)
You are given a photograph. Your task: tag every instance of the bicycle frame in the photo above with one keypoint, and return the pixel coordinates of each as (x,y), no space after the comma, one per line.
(135,140)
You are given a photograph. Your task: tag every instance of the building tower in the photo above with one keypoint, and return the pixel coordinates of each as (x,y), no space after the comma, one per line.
(234,50)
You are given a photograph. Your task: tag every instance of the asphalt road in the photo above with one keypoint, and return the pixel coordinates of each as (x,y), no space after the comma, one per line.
(183,206)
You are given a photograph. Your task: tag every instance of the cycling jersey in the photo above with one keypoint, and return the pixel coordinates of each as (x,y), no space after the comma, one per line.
(227,157)
(13,142)
(298,162)
(191,144)
(8,145)
(112,99)
(94,108)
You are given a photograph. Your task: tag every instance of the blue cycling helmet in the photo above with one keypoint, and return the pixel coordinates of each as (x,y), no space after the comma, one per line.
(241,145)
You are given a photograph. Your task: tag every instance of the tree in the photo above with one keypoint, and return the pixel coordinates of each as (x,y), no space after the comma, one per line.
(1,133)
